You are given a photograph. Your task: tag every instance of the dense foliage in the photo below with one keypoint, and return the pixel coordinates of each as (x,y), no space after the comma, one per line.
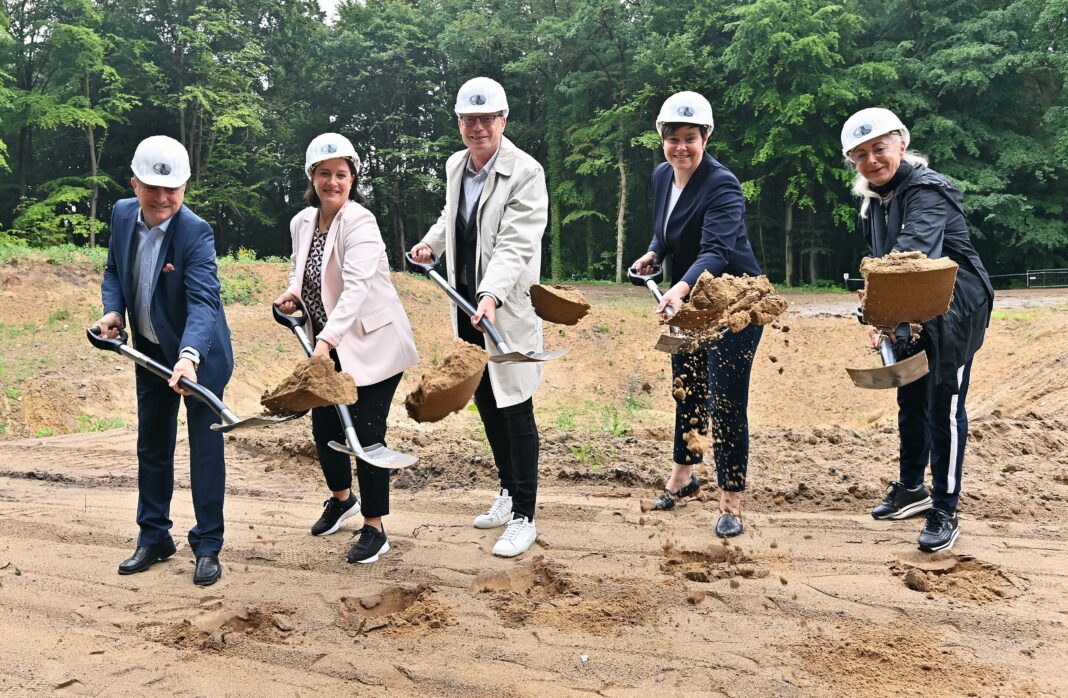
(245,84)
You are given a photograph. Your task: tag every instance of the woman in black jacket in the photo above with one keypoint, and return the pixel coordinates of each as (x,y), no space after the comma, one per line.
(698,220)
(909,207)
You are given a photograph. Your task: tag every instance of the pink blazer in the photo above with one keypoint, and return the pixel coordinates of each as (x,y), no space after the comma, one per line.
(365,319)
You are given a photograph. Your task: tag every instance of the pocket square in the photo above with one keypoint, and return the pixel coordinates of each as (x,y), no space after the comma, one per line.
(168,268)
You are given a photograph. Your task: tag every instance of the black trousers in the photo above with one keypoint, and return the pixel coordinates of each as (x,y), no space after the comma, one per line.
(157,431)
(369,414)
(716,383)
(512,434)
(933,425)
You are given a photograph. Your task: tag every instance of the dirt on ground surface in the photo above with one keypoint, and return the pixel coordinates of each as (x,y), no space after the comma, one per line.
(816,598)
(447,388)
(563,305)
(315,382)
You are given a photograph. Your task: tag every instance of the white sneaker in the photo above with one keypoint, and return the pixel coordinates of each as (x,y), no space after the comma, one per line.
(517,538)
(498,515)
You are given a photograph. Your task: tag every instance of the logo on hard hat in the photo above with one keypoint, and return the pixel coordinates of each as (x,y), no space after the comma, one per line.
(161,168)
(685,111)
(328,148)
(478,100)
(862,130)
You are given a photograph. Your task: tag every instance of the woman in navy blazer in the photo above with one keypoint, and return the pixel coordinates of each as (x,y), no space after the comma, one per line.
(699,221)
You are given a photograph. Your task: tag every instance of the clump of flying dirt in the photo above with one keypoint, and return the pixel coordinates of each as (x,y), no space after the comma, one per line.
(449,387)
(313,383)
(895,659)
(398,610)
(728,302)
(905,287)
(214,632)
(717,561)
(958,576)
(563,305)
(538,592)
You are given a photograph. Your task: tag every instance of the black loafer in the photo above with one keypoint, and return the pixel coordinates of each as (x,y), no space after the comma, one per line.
(668,499)
(728,526)
(145,556)
(207,571)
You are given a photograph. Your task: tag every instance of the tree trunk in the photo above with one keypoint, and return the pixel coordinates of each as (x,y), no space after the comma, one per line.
(556,171)
(813,255)
(94,189)
(622,215)
(398,224)
(788,238)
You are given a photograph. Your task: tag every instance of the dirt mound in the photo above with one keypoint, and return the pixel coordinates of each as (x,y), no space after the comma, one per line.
(899,659)
(399,610)
(313,383)
(563,305)
(539,592)
(215,631)
(448,388)
(905,287)
(715,562)
(958,576)
(731,302)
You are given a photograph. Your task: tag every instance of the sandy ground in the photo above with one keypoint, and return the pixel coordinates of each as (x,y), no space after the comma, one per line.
(815,599)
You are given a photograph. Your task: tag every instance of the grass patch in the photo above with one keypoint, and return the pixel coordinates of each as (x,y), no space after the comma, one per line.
(87,423)
(44,432)
(3,427)
(1022,315)
(13,393)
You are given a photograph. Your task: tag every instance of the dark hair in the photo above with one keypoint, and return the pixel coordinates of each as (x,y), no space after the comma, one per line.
(312,197)
(673,126)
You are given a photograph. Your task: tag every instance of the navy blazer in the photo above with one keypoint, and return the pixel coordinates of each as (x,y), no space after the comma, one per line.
(706,230)
(186,307)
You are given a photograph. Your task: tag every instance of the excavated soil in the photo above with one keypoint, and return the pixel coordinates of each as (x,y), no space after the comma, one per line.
(905,287)
(313,383)
(815,598)
(448,388)
(728,302)
(563,305)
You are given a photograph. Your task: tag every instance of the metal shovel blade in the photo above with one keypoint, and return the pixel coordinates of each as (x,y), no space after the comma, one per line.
(256,422)
(893,376)
(530,356)
(673,343)
(377,455)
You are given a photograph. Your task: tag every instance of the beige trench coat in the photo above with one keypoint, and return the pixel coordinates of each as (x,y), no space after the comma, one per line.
(512,212)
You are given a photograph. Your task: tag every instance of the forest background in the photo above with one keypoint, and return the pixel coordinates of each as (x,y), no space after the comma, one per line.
(246,84)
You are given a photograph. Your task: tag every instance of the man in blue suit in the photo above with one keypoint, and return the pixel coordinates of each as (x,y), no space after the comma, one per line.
(161,274)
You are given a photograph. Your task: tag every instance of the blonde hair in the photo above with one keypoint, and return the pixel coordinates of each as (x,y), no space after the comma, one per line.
(861,186)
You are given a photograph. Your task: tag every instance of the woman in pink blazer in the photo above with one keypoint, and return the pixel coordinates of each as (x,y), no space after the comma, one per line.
(340,272)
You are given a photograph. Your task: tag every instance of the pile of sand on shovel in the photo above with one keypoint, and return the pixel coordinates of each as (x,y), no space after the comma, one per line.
(449,387)
(313,383)
(906,287)
(731,302)
(563,305)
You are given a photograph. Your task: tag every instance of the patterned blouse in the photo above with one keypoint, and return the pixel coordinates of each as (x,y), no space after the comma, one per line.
(313,281)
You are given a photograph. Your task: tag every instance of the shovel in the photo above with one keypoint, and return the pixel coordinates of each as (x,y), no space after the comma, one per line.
(893,373)
(377,455)
(230,421)
(674,341)
(506,355)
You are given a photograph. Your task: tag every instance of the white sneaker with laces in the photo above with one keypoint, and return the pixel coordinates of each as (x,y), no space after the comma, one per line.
(517,538)
(498,515)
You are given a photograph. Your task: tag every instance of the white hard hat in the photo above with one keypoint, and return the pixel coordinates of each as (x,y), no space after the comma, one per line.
(481,96)
(685,108)
(326,146)
(871,123)
(161,161)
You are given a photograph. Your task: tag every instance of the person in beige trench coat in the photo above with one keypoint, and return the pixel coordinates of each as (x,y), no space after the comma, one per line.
(496,208)
(341,273)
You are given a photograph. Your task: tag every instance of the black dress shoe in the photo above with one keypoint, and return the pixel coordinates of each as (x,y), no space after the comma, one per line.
(208,570)
(728,526)
(667,500)
(145,556)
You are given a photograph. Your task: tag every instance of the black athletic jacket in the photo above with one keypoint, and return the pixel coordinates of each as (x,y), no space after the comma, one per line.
(925,213)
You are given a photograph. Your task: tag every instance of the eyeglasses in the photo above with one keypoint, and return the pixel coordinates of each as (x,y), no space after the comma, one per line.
(877,152)
(484,119)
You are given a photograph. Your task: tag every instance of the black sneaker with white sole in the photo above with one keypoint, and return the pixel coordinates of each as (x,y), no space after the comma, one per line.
(370,545)
(901,502)
(939,532)
(334,512)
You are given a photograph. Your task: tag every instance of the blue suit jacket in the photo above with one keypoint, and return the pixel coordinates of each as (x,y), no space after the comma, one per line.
(186,307)
(706,230)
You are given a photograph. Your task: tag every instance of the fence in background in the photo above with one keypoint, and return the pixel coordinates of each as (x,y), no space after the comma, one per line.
(1032,278)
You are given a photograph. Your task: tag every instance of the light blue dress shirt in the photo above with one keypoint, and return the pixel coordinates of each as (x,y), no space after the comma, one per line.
(149,241)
